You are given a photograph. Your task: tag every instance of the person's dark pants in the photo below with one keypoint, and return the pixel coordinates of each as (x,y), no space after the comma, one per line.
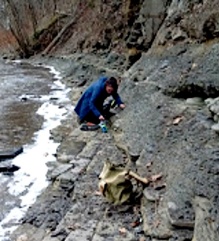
(90,117)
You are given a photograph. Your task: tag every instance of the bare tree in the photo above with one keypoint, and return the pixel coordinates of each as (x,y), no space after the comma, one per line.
(78,11)
(16,27)
(32,14)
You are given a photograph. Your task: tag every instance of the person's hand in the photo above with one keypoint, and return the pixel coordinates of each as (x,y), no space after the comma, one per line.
(101,118)
(122,106)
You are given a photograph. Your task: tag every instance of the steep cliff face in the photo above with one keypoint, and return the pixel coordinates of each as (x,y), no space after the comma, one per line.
(127,26)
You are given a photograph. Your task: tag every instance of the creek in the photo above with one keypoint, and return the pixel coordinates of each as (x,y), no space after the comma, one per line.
(32,102)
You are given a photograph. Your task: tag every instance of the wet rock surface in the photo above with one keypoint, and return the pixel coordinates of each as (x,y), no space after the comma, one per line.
(166,128)
(24,89)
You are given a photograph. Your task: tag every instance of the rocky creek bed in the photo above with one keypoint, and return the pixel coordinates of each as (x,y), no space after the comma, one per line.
(32,100)
(169,126)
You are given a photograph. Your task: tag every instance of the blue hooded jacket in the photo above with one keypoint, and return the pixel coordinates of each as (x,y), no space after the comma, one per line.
(93,99)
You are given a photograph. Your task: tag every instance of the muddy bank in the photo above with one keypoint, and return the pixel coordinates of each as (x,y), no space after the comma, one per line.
(168,127)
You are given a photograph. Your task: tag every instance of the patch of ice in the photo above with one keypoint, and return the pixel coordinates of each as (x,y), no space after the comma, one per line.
(29,181)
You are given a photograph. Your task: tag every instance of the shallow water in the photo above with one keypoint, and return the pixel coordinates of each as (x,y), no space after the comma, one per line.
(32,102)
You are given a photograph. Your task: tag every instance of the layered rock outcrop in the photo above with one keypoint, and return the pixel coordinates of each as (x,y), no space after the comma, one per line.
(128,27)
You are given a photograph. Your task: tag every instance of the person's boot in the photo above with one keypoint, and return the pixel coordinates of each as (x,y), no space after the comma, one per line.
(89,127)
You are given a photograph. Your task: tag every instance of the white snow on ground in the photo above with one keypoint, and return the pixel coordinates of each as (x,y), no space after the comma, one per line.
(29,181)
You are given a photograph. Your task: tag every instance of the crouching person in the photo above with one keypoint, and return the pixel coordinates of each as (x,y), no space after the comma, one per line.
(90,107)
